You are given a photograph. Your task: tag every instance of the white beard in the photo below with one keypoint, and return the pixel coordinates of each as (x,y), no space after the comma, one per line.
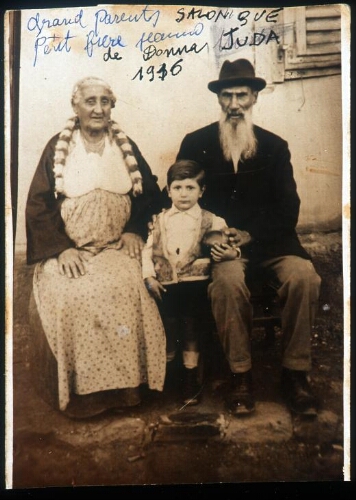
(238,141)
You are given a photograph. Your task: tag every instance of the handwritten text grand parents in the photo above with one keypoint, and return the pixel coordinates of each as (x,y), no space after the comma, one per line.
(103,31)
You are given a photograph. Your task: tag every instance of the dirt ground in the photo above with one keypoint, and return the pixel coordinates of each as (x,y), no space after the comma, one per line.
(50,450)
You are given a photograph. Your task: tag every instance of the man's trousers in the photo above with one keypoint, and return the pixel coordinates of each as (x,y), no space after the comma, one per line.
(298,287)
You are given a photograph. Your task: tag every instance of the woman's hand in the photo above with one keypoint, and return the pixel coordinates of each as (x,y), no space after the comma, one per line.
(237,237)
(220,253)
(132,244)
(154,287)
(71,262)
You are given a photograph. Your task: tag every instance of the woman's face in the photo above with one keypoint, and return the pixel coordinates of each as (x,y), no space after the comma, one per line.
(93,108)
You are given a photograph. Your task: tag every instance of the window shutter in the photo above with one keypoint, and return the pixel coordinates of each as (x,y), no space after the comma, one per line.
(311,41)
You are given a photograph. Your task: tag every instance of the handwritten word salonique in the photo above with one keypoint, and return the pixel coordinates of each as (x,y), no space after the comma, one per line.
(243,16)
(102,31)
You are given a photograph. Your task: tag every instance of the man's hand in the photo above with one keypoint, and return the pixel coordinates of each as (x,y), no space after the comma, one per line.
(220,253)
(132,244)
(71,262)
(154,287)
(237,237)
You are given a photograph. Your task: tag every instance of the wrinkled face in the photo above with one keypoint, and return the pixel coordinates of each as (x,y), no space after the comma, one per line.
(185,193)
(236,101)
(93,108)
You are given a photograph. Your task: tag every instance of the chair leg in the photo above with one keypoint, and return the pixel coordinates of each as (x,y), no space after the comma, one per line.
(269,335)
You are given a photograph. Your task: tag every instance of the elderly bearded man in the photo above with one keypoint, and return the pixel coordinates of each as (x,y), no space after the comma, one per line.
(250,184)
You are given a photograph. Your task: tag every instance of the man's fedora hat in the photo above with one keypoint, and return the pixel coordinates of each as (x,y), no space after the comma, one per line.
(237,73)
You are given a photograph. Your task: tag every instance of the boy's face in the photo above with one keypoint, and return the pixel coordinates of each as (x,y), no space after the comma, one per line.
(185,193)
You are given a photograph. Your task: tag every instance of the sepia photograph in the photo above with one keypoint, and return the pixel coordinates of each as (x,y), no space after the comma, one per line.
(177,230)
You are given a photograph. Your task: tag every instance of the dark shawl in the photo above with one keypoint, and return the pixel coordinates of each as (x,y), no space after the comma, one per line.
(46,236)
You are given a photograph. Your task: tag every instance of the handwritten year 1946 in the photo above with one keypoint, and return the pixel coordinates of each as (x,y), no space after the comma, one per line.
(161,72)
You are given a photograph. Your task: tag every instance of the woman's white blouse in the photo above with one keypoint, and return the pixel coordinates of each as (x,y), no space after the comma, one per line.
(85,172)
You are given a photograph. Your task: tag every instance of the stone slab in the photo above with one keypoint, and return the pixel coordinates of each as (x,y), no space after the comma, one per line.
(105,432)
(270,422)
(189,426)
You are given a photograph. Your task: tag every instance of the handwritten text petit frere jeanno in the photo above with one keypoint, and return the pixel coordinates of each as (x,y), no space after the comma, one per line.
(103,33)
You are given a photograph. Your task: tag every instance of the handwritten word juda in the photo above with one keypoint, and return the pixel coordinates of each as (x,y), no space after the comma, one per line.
(99,30)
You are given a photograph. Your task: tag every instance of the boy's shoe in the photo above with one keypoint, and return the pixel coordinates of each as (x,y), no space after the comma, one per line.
(240,400)
(191,387)
(297,393)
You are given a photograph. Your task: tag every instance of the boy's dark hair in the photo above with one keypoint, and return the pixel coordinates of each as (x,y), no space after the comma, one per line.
(186,169)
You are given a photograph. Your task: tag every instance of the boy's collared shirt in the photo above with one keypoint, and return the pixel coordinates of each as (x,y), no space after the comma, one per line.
(181,231)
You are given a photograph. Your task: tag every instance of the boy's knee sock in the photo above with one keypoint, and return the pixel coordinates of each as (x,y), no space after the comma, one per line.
(170,356)
(190,359)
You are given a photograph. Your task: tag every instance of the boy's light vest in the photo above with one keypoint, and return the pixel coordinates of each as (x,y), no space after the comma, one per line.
(194,266)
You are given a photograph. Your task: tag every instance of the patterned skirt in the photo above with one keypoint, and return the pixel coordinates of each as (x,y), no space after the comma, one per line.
(103,330)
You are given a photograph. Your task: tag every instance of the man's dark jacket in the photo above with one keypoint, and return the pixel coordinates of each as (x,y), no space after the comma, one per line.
(260,198)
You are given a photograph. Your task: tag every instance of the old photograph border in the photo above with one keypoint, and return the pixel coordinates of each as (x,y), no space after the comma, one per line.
(10,218)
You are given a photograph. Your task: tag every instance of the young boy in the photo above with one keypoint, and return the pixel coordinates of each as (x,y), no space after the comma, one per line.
(176,271)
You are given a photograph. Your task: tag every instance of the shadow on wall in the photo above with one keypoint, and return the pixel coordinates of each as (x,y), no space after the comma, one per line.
(332,225)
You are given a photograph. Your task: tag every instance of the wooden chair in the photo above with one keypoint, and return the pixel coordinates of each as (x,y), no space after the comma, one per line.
(266,309)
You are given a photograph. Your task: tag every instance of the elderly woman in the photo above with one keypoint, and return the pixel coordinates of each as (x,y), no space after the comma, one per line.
(98,336)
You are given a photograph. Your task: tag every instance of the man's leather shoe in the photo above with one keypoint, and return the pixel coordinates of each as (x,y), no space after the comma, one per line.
(297,392)
(240,400)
